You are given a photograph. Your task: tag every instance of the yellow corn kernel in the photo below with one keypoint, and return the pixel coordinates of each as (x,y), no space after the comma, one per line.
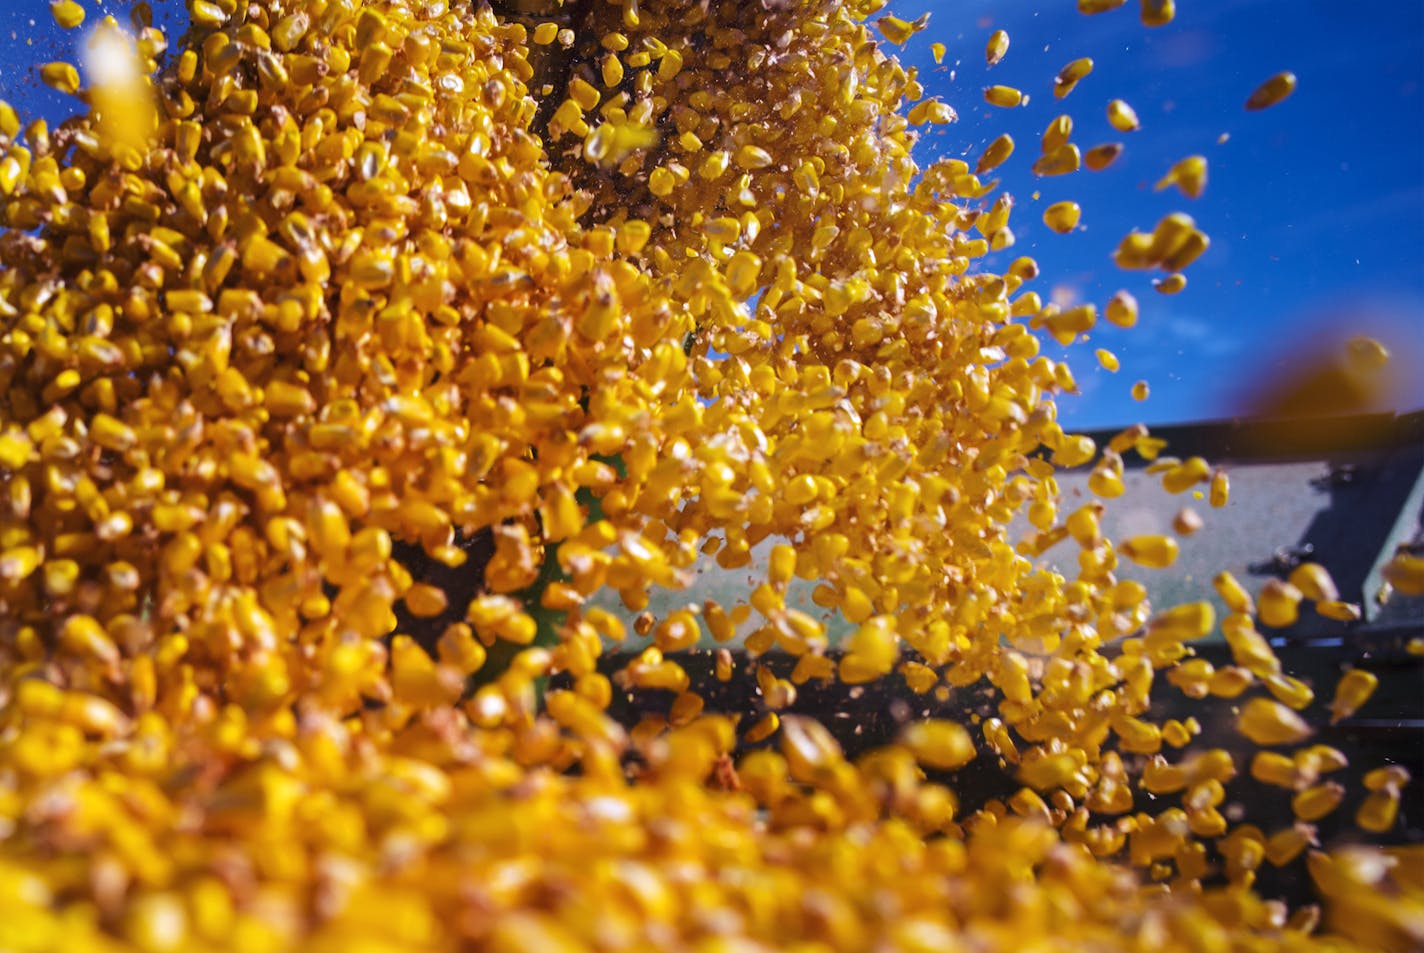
(997,46)
(1314,582)
(1170,285)
(1188,175)
(1062,217)
(1061,161)
(1154,552)
(1069,76)
(763,728)
(1229,588)
(1107,360)
(1220,491)
(1121,309)
(1378,812)
(1271,92)
(1005,97)
(66,13)
(1274,768)
(1389,777)
(545,33)
(995,154)
(937,50)
(1339,611)
(939,744)
(1270,723)
(1278,604)
(1158,12)
(1405,572)
(1122,117)
(207,13)
(1099,157)
(752,157)
(1315,802)
(1351,692)
(1288,690)
(60,76)
(899,31)
(1287,844)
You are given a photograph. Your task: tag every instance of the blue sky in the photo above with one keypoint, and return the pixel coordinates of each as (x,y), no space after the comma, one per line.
(1315,208)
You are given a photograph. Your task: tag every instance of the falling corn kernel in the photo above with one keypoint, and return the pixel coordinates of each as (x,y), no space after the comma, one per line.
(1316,802)
(1278,603)
(1153,552)
(1069,76)
(1219,493)
(1005,97)
(1351,692)
(1405,572)
(1122,117)
(997,46)
(937,50)
(60,76)
(1186,522)
(1140,391)
(1100,157)
(995,154)
(67,13)
(943,745)
(1170,285)
(899,31)
(1271,92)
(1158,12)
(1107,360)
(1062,217)
(1270,723)
(1188,175)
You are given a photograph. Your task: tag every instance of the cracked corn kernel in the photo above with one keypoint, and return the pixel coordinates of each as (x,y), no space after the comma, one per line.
(1271,92)
(1123,117)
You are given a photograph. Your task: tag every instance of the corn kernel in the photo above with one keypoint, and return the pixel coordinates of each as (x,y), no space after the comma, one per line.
(1271,92)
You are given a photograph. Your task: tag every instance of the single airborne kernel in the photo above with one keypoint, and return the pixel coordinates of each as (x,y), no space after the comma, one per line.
(1122,117)
(997,46)
(1271,92)
(1005,97)
(1070,75)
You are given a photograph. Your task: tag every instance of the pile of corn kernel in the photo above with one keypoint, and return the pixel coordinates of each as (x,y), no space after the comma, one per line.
(326,277)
